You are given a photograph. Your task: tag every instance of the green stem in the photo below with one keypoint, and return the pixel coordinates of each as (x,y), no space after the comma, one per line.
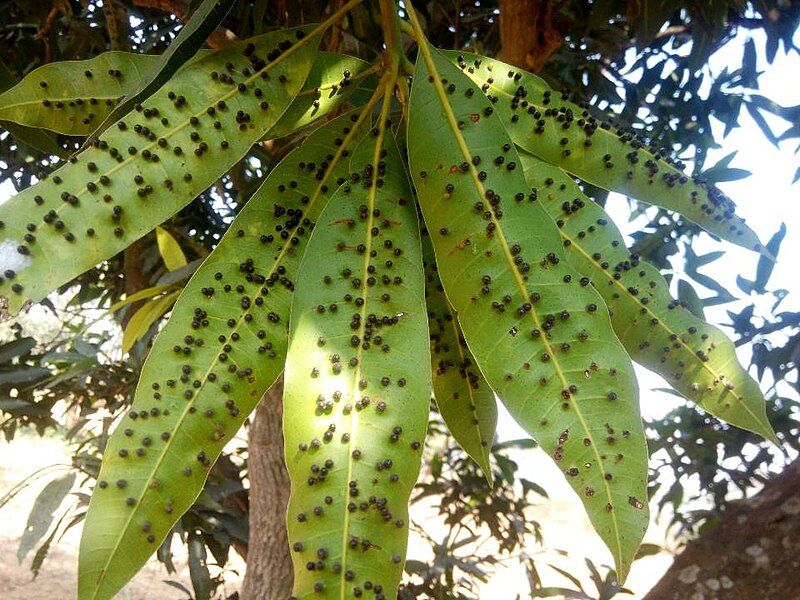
(416,28)
(390,22)
(406,28)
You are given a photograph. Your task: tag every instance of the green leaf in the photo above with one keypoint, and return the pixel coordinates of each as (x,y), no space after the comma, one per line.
(695,358)
(145,317)
(26,136)
(35,139)
(22,374)
(358,382)
(44,549)
(198,569)
(170,250)
(73,97)
(43,512)
(690,300)
(140,295)
(325,89)
(219,352)
(191,37)
(542,122)
(133,178)
(15,348)
(465,400)
(543,341)
(73,102)
(765,265)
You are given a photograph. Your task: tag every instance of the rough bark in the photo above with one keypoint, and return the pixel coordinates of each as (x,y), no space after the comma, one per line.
(754,552)
(135,277)
(269,565)
(529,32)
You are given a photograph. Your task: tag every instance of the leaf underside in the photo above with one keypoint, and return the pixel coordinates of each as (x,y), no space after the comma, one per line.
(148,166)
(465,400)
(73,97)
(697,359)
(543,122)
(223,346)
(357,384)
(543,341)
(80,94)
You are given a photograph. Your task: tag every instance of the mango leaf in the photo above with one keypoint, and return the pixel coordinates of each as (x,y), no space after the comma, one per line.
(43,512)
(222,348)
(44,549)
(358,382)
(34,139)
(695,358)
(150,165)
(14,348)
(690,300)
(562,133)
(190,38)
(332,79)
(140,295)
(765,266)
(73,97)
(80,94)
(170,250)
(198,569)
(145,317)
(22,374)
(465,400)
(543,340)
(45,141)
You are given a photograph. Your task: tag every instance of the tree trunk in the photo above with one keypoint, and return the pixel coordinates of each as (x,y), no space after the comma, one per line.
(529,32)
(269,565)
(754,551)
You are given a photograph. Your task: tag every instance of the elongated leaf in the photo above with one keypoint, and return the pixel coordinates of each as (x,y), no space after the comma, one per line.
(40,140)
(697,359)
(465,400)
(765,266)
(544,123)
(219,352)
(170,250)
(357,392)
(36,139)
(73,97)
(543,340)
(144,318)
(150,165)
(80,94)
(14,348)
(22,374)
(43,512)
(140,295)
(332,79)
(689,299)
(198,570)
(190,38)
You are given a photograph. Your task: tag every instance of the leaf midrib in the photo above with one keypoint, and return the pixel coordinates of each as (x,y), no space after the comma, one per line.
(168,135)
(388,82)
(608,136)
(660,322)
(467,156)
